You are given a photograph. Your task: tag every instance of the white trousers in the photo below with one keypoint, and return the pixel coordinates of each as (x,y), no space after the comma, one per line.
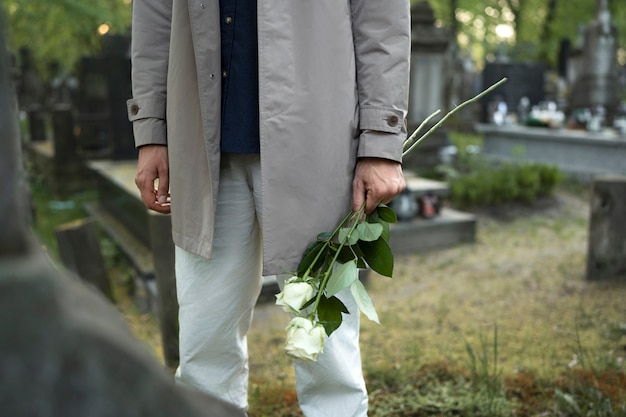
(217,297)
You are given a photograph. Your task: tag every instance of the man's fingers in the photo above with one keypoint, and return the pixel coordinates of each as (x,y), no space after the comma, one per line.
(150,198)
(163,188)
(371,202)
(152,165)
(358,195)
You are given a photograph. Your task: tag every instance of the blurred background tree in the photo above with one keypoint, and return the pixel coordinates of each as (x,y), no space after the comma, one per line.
(530,30)
(63,30)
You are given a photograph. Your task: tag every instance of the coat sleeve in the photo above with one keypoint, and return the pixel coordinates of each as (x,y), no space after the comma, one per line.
(382,43)
(150,46)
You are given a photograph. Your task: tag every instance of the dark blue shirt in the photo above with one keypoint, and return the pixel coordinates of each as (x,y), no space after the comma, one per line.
(240,81)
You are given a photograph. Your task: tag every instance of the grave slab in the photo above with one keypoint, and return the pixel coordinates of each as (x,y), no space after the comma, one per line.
(580,153)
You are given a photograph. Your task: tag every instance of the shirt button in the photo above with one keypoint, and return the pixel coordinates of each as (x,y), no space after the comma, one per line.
(202,5)
(393,121)
(228,20)
(224,74)
(211,76)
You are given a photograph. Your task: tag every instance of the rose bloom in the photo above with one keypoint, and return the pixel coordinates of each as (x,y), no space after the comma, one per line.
(305,339)
(294,295)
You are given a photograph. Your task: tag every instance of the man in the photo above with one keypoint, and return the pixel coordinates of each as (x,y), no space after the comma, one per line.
(267,120)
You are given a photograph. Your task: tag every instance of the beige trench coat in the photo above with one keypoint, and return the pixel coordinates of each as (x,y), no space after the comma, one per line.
(333,84)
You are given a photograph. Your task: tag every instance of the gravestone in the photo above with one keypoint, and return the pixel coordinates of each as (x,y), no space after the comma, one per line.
(30,95)
(430,64)
(116,55)
(431,70)
(524,80)
(597,82)
(79,249)
(102,121)
(606,256)
(92,118)
(60,98)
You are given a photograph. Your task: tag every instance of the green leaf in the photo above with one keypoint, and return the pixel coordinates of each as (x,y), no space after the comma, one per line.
(329,313)
(385,234)
(364,301)
(324,236)
(346,255)
(375,218)
(343,234)
(378,256)
(342,277)
(351,253)
(308,256)
(369,231)
(386,213)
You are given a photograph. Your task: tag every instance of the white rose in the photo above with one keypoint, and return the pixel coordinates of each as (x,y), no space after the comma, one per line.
(305,340)
(294,295)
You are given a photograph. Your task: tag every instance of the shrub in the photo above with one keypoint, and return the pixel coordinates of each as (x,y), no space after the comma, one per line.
(475,181)
(504,184)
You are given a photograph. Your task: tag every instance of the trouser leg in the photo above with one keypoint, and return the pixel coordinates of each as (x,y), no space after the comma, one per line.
(217,296)
(334,385)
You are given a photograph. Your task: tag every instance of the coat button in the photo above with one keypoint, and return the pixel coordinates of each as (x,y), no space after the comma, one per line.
(211,76)
(228,20)
(393,121)
(224,74)
(202,5)
(134,109)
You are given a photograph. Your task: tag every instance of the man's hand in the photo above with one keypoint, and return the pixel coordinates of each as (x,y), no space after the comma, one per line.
(378,181)
(153,164)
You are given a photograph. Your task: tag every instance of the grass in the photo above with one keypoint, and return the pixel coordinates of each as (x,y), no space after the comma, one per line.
(525,276)
(505,326)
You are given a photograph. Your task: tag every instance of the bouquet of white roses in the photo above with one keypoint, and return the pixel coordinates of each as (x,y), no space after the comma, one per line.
(331,264)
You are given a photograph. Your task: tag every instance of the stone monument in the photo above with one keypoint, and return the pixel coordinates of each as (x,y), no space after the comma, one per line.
(103,128)
(432,60)
(606,251)
(597,84)
(30,95)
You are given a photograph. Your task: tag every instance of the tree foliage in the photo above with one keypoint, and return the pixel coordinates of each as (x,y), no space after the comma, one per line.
(538,25)
(63,30)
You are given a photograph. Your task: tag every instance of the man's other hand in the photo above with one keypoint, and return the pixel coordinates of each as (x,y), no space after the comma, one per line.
(153,165)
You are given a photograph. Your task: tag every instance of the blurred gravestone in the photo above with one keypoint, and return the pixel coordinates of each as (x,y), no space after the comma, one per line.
(431,71)
(65,351)
(524,80)
(30,95)
(116,55)
(606,256)
(60,98)
(79,250)
(597,84)
(93,130)
(102,120)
